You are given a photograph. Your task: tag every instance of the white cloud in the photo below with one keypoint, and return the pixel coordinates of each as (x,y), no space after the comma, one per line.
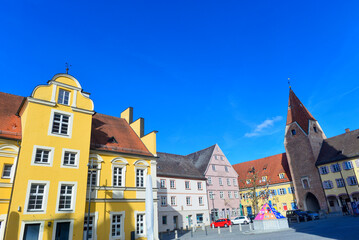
(262,127)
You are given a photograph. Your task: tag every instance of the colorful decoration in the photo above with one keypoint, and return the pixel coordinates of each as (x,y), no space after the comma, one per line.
(268,212)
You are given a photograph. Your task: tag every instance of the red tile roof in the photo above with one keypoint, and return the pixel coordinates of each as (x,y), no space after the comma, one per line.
(270,167)
(10,124)
(104,127)
(297,112)
(115,134)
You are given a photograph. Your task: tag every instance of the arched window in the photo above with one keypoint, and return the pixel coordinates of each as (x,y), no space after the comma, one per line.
(141,167)
(119,172)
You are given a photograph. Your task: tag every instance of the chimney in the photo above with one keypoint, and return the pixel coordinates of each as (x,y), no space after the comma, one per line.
(347,130)
(128,115)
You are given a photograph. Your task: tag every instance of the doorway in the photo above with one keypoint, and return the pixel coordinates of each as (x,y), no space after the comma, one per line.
(175,222)
(62,231)
(31,231)
(190,220)
(312,202)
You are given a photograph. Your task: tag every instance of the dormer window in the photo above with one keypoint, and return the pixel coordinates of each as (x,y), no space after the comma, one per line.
(112,140)
(281,175)
(64,97)
(293,132)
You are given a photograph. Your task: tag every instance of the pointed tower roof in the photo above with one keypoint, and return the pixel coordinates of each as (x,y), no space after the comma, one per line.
(298,113)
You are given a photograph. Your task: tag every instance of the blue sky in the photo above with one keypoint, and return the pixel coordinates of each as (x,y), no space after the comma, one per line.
(199,72)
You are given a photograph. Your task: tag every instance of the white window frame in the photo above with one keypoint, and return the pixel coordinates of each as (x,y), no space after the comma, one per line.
(230,194)
(175,201)
(41,230)
(71,119)
(71,229)
(302,180)
(209,180)
(141,164)
(58,95)
(187,185)
(234,182)
(229,182)
(144,224)
(199,186)
(213,167)
(3,171)
(188,201)
(174,184)
(211,195)
(122,228)
(51,156)
(226,169)
(281,175)
(164,183)
(121,163)
(73,197)
(94,226)
(200,200)
(220,181)
(221,194)
(77,152)
(163,199)
(44,200)
(236,194)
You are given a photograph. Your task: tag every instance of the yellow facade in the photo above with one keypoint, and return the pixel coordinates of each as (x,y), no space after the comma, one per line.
(282,200)
(48,187)
(8,158)
(336,194)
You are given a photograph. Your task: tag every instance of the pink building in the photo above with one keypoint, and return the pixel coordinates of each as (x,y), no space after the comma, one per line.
(222,185)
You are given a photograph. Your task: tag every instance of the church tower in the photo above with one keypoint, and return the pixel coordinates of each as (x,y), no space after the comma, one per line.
(303,140)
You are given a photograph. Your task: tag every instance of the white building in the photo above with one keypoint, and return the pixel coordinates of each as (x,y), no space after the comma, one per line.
(182,193)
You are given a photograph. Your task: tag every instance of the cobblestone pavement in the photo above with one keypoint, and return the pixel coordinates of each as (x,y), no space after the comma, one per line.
(332,227)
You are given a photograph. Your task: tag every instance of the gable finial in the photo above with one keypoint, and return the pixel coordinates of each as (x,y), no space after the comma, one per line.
(290,87)
(68,68)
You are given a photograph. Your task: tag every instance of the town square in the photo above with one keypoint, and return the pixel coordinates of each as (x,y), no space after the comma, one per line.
(167,120)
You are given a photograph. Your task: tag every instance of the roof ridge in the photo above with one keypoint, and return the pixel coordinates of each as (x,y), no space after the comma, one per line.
(11,94)
(342,134)
(260,159)
(202,150)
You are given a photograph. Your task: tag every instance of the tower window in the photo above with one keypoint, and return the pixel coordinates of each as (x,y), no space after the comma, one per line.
(293,132)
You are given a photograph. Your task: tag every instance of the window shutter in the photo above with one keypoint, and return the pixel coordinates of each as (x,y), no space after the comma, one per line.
(348,181)
(344,166)
(331,168)
(278,191)
(324,185)
(289,190)
(326,167)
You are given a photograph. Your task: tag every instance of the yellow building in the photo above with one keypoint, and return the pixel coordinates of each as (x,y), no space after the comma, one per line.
(271,181)
(52,146)
(338,165)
